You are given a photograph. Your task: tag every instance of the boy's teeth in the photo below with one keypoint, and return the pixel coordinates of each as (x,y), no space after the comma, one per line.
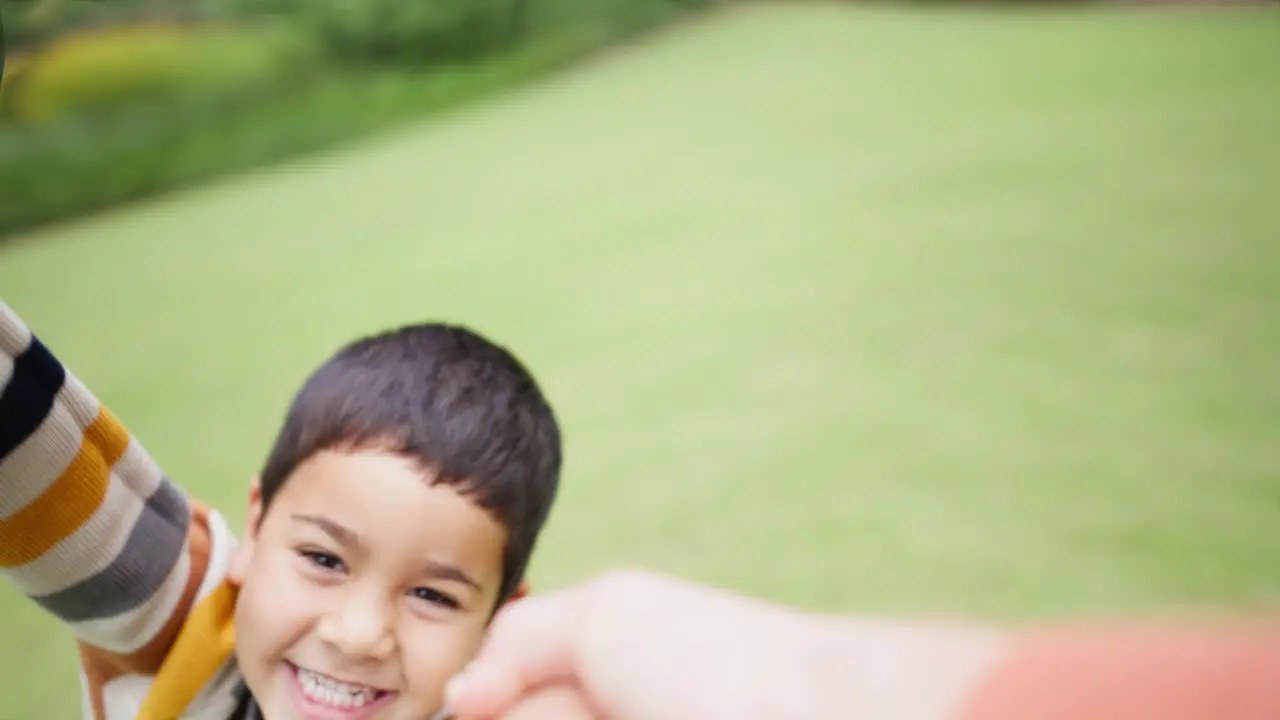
(327,691)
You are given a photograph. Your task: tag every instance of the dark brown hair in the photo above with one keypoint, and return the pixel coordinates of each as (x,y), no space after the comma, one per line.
(460,407)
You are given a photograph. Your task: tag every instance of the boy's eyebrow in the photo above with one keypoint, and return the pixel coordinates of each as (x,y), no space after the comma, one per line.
(340,534)
(441,571)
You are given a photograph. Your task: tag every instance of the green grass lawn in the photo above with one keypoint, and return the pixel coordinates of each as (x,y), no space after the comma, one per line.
(888,310)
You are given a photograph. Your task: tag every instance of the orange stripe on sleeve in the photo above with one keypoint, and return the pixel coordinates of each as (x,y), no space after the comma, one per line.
(71,500)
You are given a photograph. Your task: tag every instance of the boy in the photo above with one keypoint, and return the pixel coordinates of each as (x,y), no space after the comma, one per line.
(395,514)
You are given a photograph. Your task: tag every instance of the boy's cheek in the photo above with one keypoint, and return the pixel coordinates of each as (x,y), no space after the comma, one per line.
(431,658)
(272,594)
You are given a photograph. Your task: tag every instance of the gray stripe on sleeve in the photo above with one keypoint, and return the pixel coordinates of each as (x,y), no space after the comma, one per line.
(133,577)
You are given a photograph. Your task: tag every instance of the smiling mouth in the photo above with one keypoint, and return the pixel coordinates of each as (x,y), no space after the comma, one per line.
(339,698)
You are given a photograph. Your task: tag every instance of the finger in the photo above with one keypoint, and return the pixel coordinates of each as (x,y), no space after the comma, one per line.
(531,644)
(554,702)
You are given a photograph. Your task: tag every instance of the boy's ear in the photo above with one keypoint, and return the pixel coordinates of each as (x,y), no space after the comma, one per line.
(521,592)
(249,540)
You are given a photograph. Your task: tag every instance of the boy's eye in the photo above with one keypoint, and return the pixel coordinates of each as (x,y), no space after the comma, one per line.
(328,561)
(435,597)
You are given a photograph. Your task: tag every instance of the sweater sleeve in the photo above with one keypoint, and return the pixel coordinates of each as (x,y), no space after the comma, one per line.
(1149,671)
(91,530)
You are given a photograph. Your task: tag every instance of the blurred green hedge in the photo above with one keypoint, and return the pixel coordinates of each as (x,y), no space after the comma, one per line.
(115,68)
(113,100)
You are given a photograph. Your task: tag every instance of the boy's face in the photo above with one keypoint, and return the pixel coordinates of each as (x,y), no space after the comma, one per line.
(363,590)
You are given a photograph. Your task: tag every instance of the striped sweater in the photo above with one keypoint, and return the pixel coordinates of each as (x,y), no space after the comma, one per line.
(94,532)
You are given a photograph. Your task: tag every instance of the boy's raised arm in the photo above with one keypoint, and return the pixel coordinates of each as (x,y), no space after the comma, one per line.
(90,528)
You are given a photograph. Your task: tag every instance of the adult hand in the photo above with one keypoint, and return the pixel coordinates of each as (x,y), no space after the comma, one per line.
(637,646)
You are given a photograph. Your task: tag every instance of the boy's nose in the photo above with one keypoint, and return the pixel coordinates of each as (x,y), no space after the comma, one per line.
(361,627)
